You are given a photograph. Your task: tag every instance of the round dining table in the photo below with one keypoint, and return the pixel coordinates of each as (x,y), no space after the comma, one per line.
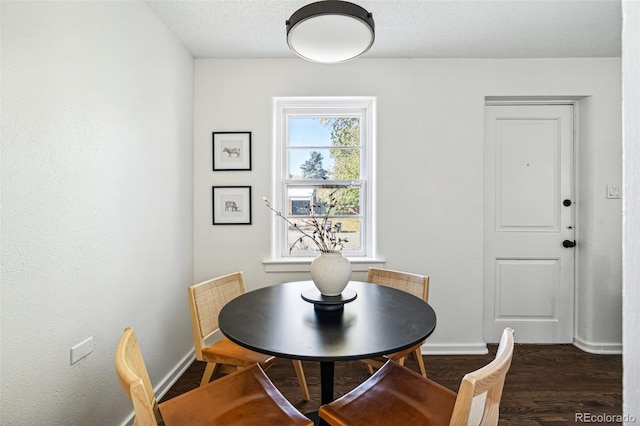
(292,320)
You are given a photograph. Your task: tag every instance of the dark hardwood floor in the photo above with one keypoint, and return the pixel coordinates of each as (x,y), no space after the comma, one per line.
(546,385)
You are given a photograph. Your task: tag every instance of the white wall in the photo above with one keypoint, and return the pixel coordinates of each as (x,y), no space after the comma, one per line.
(430,149)
(599,232)
(631,193)
(97,169)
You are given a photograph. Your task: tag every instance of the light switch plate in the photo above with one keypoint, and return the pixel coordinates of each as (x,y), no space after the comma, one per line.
(81,350)
(614,191)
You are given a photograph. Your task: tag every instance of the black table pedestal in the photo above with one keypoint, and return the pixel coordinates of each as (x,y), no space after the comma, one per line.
(326,379)
(327,369)
(317,421)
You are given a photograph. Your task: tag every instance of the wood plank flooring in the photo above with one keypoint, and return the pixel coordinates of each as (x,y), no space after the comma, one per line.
(547,384)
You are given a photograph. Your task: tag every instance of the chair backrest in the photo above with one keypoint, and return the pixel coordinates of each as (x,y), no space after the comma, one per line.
(478,400)
(206,299)
(135,381)
(418,285)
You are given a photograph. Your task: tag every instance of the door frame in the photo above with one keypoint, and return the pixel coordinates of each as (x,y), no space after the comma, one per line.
(573,101)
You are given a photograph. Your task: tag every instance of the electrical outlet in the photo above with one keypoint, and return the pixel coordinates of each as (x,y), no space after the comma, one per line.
(81,350)
(614,191)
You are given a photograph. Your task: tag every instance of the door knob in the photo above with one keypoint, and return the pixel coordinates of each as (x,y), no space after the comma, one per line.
(568,243)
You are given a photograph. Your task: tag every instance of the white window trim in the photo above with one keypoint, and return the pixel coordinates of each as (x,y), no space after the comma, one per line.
(282,108)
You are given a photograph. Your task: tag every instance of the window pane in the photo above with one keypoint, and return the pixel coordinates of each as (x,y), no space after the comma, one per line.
(309,131)
(321,163)
(324,132)
(345,228)
(317,201)
(324,148)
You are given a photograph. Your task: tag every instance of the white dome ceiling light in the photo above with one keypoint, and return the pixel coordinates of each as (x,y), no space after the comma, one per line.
(330,31)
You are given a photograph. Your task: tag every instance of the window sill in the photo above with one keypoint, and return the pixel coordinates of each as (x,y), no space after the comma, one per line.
(303,264)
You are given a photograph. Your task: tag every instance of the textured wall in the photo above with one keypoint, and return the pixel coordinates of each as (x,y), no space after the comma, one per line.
(96,204)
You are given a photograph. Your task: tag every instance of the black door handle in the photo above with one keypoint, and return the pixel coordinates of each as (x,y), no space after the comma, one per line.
(568,243)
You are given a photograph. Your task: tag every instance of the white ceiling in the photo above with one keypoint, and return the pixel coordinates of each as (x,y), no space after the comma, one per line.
(408,28)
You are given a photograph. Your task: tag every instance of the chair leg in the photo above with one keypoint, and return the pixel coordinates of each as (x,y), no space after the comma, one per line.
(420,360)
(302,380)
(208,372)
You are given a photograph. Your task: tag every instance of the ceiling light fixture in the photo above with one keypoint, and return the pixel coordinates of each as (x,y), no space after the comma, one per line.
(330,31)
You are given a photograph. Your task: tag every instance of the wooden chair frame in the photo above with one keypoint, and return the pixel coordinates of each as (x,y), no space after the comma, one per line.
(395,396)
(206,299)
(417,285)
(480,392)
(134,380)
(245,397)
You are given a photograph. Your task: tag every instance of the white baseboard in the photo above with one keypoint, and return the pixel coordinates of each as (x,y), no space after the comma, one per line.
(173,375)
(455,349)
(598,348)
(169,380)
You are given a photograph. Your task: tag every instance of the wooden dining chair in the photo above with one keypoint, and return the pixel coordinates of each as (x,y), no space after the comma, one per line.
(418,285)
(395,395)
(206,299)
(246,397)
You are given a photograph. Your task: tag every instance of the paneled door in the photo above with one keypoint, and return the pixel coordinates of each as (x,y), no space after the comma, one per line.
(529,223)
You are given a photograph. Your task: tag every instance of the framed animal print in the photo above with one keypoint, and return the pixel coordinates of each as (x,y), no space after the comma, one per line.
(231,151)
(231,205)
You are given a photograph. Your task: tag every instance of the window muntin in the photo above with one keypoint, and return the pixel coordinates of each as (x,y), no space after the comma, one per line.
(323,146)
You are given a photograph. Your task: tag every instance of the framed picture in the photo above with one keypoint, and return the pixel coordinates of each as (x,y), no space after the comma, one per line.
(231,205)
(231,151)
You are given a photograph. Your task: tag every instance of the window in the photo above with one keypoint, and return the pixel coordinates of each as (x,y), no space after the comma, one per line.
(324,149)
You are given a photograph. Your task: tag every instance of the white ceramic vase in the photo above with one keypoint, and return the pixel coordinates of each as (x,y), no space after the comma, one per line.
(331,273)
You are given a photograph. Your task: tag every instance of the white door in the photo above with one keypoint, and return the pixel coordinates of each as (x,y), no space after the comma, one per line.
(528,220)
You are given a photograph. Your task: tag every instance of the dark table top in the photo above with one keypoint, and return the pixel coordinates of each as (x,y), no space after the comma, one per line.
(277,321)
